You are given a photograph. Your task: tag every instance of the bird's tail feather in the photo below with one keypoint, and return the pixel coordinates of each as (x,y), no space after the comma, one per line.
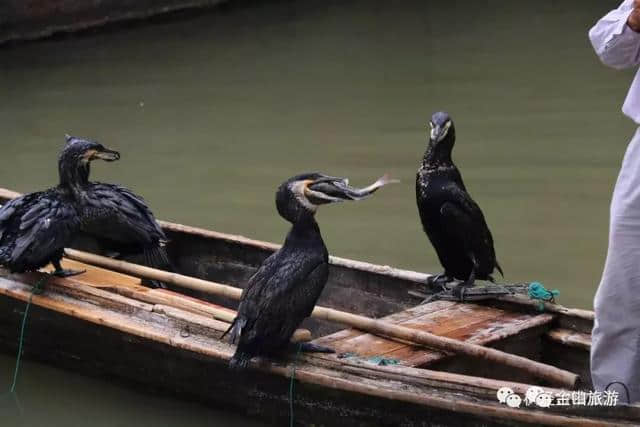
(229,329)
(235,329)
(156,257)
(499,269)
(241,358)
(239,361)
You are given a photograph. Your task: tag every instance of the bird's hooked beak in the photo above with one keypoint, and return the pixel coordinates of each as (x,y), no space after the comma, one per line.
(104,154)
(438,132)
(328,189)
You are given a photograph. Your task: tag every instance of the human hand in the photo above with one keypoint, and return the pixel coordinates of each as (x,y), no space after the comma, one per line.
(634,18)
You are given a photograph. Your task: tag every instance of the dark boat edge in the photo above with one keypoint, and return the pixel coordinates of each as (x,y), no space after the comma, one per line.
(161,358)
(22,23)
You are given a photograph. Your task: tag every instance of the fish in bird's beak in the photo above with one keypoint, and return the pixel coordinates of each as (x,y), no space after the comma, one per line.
(105,154)
(329,189)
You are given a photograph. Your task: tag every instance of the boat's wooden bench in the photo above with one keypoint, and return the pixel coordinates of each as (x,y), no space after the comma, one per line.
(467,322)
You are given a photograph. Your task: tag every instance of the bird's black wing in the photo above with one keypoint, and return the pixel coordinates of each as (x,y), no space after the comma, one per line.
(35,228)
(277,291)
(123,223)
(464,220)
(115,213)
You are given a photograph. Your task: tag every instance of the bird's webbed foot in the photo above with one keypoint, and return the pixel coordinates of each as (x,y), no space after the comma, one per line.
(439,281)
(460,290)
(308,347)
(155,284)
(62,272)
(67,273)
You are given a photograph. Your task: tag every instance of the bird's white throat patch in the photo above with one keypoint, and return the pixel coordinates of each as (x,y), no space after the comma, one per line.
(434,135)
(298,189)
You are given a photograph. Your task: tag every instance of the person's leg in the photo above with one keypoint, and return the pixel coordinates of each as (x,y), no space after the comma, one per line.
(615,352)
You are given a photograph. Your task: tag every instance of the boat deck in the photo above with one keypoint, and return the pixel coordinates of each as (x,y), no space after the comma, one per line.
(178,326)
(472,323)
(466,322)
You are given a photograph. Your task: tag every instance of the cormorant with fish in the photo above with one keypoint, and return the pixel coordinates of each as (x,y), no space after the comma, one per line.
(286,287)
(451,219)
(36,227)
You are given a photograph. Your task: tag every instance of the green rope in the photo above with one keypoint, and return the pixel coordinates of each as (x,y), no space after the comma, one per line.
(291,383)
(36,290)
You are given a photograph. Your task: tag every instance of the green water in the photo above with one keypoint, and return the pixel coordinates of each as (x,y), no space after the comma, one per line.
(212,112)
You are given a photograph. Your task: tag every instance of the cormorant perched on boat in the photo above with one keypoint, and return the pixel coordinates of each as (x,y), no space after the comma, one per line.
(451,219)
(35,228)
(121,221)
(284,290)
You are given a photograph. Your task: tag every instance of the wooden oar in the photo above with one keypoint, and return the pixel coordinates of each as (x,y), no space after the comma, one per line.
(540,370)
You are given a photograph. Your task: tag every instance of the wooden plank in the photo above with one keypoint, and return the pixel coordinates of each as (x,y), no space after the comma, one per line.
(174,299)
(494,330)
(440,322)
(570,338)
(191,318)
(96,276)
(467,322)
(81,291)
(398,317)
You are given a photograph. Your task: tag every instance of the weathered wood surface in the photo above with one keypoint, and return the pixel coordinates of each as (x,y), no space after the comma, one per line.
(466,322)
(33,19)
(177,355)
(379,327)
(163,301)
(571,338)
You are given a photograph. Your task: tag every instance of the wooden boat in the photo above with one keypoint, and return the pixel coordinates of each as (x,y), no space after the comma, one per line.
(105,323)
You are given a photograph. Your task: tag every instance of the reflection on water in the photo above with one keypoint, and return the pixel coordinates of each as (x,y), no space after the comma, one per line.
(55,398)
(212,113)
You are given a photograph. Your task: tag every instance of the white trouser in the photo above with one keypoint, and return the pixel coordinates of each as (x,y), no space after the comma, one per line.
(615,352)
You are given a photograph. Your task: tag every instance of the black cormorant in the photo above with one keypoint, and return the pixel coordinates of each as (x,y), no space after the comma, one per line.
(287,285)
(451,219)
(121,221)
(35,228)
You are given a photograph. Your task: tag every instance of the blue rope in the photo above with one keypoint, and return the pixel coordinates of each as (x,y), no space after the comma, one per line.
(291,384)
(537,291)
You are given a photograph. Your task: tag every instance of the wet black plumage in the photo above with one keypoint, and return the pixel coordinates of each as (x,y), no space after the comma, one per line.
(35,228)
(123,224)
(286,287)
(451,219)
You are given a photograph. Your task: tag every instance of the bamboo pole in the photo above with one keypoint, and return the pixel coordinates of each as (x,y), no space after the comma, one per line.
(549,373)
